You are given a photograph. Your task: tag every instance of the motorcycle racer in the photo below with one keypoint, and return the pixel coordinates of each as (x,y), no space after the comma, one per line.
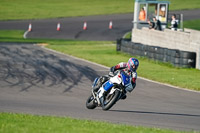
(129,68)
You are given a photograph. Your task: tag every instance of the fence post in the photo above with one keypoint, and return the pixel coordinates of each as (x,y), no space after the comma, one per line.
(182,22)
(198,59)
(118,47)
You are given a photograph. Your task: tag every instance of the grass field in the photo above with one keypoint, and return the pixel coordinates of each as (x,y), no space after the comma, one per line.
(34,9)
(192,24)
(21,123)
(105,53)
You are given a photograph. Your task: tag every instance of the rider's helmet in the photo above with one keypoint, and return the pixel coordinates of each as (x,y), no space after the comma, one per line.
(133,64)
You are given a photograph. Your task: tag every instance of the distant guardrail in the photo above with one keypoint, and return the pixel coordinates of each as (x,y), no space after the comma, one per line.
(176,57)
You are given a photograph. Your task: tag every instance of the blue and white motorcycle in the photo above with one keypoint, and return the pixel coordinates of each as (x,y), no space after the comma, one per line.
(112,90)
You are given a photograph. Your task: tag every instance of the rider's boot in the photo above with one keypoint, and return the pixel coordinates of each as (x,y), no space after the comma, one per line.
(123,96)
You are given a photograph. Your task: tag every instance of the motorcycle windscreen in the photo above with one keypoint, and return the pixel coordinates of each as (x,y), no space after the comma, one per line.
(107,85)
(125,79)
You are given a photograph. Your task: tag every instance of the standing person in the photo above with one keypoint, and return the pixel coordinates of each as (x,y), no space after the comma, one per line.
(157,24)
(142,15)
(174,23)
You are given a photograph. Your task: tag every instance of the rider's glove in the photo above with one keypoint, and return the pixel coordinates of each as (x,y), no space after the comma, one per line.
(111,74)
(112,69)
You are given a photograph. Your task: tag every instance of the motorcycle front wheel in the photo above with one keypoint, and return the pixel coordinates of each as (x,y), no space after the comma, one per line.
(110,100)
(90,102)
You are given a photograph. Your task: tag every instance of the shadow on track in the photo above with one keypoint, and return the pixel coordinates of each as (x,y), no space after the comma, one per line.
(154,113)
(27,66)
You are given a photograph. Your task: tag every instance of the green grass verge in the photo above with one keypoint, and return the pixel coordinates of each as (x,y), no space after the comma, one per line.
(35,9)
(127,35)
(104,52)
(15,36)
(192,24)
(21,123)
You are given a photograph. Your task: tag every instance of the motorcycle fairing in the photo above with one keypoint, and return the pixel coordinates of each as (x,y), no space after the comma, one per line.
(125,79)
(107,85)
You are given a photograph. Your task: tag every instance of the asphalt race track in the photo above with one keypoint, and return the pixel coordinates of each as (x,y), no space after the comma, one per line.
(72,28)
(39,81)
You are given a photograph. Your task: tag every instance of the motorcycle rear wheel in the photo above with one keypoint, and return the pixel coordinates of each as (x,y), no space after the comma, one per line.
(90,102)
(112,99)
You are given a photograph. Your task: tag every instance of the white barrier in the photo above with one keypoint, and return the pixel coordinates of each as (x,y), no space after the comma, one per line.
(189,40)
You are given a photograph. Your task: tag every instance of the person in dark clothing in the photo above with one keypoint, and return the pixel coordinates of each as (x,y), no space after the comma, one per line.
(151,25)
(157,24)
